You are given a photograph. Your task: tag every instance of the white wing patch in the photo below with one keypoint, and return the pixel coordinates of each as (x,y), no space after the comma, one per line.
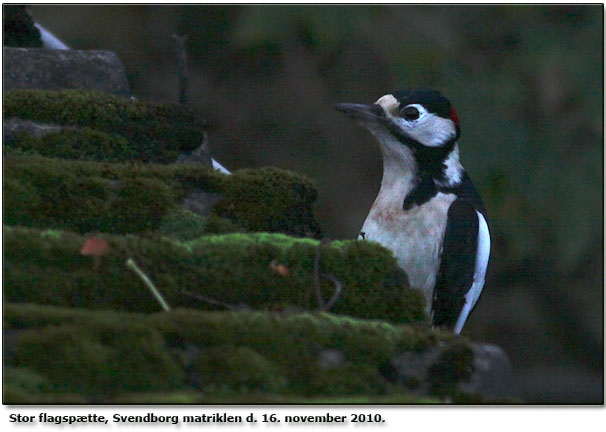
(482,255)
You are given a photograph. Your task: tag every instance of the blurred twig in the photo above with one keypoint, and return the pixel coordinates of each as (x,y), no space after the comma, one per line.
(130,263)
(182,68)
(316,273)
(210,300)
(336,295)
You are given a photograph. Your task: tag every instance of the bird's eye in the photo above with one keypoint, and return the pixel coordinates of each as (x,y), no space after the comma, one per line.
(410,113)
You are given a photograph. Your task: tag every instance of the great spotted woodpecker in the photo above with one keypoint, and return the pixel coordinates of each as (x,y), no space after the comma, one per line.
(427,211)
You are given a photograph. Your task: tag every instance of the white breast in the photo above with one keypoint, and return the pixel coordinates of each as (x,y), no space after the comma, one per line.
(415,237)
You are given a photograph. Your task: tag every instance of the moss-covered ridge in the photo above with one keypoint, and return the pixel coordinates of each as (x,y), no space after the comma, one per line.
(269,199)
(82,356)
(79,144)
(46,267)
(86,196)
(154,132)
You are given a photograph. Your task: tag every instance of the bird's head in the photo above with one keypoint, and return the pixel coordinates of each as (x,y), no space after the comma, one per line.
(421,123)
(414,117)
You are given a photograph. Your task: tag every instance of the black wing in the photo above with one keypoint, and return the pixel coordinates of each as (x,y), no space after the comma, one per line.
(467,192)
(457,266)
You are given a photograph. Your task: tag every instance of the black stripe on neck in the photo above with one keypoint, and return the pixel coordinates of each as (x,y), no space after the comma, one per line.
(431,168)
(426,188)
(430,160)
(423,190)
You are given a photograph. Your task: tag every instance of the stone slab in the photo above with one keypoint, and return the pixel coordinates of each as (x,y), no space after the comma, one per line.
(38,68)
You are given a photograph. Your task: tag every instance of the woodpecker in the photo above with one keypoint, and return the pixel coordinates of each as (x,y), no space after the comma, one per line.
(427,211)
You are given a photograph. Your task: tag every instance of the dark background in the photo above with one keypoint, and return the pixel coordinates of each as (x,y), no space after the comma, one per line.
(527,83)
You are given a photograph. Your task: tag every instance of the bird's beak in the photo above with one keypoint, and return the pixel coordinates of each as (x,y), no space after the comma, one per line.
(361,112)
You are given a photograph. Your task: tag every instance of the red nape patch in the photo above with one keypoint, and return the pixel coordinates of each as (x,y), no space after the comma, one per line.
(454,117)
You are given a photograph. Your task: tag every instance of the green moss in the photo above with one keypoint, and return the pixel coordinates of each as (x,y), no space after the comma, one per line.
(232,268)
(164,398)
(229,356)
(46,193)
(20,201)
(454,365)
(99,360)
(347,379)
(140,203)
(82,143)
(28,315)
(154,132)
(124,198)
(268,398)
(413,382)
(16,396)
(294,341)
(25,381)
(181,224)
(235,370)
(52,233)
(280,200)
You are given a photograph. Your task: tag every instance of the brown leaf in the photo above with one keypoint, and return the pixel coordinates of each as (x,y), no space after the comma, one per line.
(279,268)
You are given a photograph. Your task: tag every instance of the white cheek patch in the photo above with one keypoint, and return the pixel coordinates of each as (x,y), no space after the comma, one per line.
(430,130)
